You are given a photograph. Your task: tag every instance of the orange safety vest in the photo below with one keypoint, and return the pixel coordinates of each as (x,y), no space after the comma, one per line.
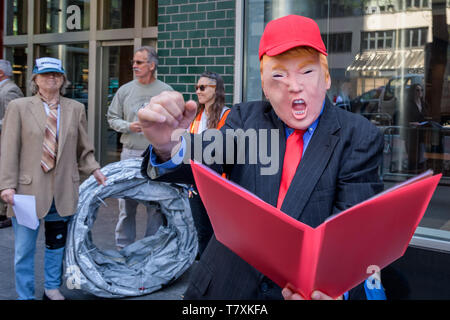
(196,123)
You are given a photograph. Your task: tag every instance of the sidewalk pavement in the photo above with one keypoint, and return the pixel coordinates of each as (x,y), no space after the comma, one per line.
(103,237)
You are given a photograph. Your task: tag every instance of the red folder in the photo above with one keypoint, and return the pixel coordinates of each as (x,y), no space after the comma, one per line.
(334,257)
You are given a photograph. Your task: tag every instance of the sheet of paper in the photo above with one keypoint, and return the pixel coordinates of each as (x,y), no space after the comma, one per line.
(25,210)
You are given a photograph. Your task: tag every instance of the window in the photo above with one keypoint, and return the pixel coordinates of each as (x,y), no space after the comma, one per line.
(344,8)
(54,16)
(415,4)
(18,58)
(388,39)
(377,40)
(150,13)
(338,42)
(407,38)
(16,17)
(319,9)
(412,38)
(115,14)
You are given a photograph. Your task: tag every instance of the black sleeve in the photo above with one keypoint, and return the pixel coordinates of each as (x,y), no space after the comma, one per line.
(183,173)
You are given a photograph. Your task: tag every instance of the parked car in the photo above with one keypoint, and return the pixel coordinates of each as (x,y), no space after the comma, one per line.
(367,102)
(396,86)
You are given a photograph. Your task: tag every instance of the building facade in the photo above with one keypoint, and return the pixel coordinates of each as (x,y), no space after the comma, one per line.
(379,51)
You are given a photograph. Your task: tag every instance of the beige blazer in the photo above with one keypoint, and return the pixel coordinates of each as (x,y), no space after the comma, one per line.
(21,150)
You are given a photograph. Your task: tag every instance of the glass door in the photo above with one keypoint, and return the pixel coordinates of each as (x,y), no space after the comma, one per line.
(18,58)
(75,60)
(115,71)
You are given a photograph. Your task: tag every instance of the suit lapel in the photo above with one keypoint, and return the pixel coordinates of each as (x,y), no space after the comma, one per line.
(267,186)
(64,123)
(313,163)
(38,112)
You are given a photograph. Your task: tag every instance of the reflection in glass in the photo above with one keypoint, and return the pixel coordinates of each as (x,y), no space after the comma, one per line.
(150,13)
(338,42)
(116,71)
(116,14)
(18,58)
(58,16)
(75,60)
(16,17)
(392,68)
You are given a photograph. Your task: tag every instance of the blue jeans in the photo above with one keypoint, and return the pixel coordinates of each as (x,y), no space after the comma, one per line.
(24,251)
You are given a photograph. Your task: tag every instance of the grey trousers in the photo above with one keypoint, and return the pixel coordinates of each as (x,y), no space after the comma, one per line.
(126,226)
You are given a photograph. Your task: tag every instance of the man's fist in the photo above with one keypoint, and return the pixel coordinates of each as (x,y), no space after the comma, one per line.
(164,119)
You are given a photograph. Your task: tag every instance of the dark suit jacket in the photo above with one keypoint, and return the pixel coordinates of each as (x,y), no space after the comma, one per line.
(338,170)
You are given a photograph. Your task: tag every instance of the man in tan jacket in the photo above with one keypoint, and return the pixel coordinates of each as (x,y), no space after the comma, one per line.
(8,91)
(45,149)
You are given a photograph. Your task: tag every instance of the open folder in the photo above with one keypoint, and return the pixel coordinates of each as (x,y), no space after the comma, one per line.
(334,257)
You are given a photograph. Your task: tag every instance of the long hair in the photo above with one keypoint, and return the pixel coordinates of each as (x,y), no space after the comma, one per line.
(411,95)
(219,102)
(411,100)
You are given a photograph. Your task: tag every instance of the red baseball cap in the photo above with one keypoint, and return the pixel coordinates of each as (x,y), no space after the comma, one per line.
(288,32)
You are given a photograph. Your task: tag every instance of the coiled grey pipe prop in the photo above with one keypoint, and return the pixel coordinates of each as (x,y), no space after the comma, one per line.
(144,266)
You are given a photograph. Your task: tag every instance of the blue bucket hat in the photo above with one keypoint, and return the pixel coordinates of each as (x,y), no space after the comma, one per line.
(47,64)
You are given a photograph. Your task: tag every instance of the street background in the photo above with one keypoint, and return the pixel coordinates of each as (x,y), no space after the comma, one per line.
(103,238)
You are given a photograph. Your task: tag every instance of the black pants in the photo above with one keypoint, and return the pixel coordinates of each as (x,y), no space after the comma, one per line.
(201,221)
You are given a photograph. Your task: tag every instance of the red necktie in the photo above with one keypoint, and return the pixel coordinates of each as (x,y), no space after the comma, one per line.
(292,157)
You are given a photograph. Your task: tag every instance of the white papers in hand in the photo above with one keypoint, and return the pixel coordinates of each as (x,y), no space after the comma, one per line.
(25,210)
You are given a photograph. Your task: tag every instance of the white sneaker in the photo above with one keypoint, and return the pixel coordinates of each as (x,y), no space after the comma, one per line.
(53,294)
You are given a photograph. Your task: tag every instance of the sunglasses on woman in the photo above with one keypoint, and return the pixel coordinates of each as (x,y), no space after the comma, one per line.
(203,86)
